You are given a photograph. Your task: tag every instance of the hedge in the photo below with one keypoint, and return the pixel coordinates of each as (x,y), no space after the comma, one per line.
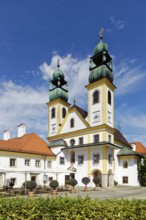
(71,209)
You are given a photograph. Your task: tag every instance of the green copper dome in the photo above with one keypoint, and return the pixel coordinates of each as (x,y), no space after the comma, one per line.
(58,74)
(58,93)
(101,46)
(99,73)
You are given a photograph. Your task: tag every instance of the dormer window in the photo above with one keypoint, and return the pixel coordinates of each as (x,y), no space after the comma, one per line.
(72,123)
(96,97)
(63,112)
(109,98)
(53,113)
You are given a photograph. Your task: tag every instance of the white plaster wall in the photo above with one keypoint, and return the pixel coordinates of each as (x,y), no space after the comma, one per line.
(78,123)
(95,107)
(52,121)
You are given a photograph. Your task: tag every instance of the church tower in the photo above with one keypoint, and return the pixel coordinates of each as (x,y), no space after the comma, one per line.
(58,101)
(101,88)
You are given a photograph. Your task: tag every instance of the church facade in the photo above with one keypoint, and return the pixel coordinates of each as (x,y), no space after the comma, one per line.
(87,143)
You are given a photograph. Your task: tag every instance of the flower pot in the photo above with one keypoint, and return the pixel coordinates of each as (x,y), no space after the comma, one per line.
(86,189)
(31,194)
(54,193)
(73,190)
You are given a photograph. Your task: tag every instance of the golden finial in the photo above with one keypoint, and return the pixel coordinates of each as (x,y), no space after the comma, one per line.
(58,63)
(101,33)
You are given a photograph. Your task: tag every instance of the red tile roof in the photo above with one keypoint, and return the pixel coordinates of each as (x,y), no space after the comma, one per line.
(28,143)
(140,148)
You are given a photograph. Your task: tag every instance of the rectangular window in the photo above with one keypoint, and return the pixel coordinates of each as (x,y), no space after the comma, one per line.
(62,161)
(49,164)
(27,162)
(96,138)
(80,159)
(50,178)
(109,138)
(37,163)
(12,162)
(125,179)
(110,158)
(95,158)
(80,140)
(13,180)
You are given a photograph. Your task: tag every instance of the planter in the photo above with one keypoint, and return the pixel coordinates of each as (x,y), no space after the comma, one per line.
(86,189)
(31,193)
(73,190)
(54,193)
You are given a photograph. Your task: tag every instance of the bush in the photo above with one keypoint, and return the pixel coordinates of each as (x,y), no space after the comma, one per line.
(54,184)
(31,185)
(85,180)
(97,181)
(73,182)
(71,208)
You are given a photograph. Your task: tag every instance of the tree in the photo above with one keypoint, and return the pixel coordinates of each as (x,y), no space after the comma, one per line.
(141,166)
(85,181)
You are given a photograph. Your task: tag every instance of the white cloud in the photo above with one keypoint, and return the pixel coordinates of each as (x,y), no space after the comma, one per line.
(118,24)
(76,73)
(22,104)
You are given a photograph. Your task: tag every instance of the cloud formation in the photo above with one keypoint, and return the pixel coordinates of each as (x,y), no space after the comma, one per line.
(118,24)
(27,104)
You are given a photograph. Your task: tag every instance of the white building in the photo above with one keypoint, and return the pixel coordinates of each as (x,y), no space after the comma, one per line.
(87,142)
(26,157)
(81,143)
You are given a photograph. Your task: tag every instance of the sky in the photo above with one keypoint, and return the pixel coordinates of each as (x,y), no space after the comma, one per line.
(35,33)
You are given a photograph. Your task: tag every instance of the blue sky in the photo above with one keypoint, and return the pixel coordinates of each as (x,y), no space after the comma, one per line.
(34,33)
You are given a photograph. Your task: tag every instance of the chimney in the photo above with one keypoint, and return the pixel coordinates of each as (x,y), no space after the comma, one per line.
(21,130)
(6,135)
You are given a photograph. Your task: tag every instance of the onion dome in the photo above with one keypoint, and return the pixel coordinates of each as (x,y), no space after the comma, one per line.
(99,73)
(100,65)
(101,46)
(58,85)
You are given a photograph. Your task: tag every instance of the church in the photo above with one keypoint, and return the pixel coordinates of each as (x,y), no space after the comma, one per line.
(87,143)
(80,143)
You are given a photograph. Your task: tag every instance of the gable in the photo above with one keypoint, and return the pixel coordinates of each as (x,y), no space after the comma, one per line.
(79,122)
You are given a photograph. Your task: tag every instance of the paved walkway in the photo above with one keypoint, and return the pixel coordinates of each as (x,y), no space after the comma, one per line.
(129,192)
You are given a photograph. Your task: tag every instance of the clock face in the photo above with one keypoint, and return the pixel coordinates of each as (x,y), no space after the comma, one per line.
(96,116)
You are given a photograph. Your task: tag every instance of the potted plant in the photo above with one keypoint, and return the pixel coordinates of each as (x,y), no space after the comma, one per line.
(97,182)
(85,181)
(31,186)
(73,183)
(54,184)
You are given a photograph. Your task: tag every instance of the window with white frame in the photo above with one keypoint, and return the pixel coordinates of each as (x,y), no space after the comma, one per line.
(27,162)
(80,159)
(12,162)
(125,164)
(95,158)
(37,163)
(49,164)
(80,140)
(62,160)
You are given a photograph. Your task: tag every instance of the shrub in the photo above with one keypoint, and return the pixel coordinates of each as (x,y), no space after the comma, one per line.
(73,182)
(97,181)
(85,180)
(71,208)
(54,184)
(31,185)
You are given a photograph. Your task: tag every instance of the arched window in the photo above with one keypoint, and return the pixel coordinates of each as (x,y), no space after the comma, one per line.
(63,112)
(72,157)
(96,97)
(72,123)
(125,164)
(72,142)
(109,98)
(53,113)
